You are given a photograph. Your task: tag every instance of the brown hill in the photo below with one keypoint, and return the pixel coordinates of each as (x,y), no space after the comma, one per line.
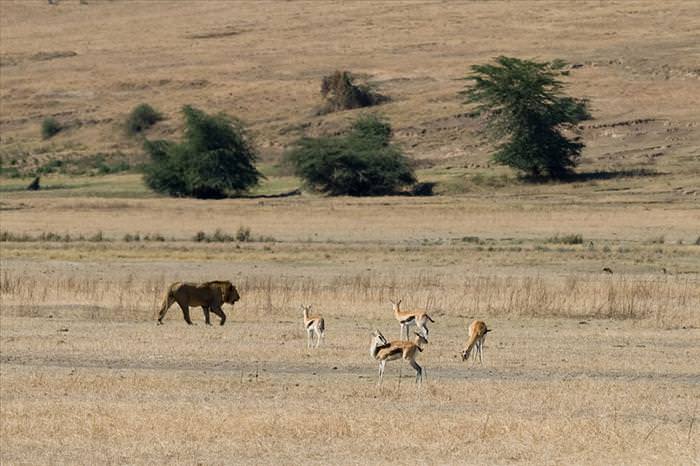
(88,63)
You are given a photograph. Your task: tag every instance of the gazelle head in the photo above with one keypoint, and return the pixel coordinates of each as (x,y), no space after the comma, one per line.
(421,339)
(377,341)
(305,309)
(379,337)
(465,354)
(395,304)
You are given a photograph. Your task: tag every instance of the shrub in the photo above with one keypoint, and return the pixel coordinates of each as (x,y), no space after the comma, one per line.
(360,163)
(566,239)
(217,237)
(657,240)
(341,93)
(216,158)
(129,237)
(97,237)
(141,118)
(243,234)
(50,127)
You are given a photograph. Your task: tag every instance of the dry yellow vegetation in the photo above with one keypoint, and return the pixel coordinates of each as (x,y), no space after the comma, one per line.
(582,366)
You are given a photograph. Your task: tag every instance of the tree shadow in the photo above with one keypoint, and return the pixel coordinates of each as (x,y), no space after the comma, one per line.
(610,174)
(599,175)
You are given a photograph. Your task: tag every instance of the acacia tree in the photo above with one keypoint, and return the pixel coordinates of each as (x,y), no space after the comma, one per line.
(215,159)
(525,110)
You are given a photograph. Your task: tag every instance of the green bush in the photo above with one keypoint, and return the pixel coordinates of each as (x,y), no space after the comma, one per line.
(341,93)
(141,118)
(50,127)
(216,158)
(360,163)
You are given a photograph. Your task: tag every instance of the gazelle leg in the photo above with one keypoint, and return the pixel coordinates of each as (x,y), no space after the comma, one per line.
(419,370)
(381,371)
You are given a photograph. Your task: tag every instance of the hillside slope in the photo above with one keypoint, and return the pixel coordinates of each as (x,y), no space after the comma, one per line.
(87,64)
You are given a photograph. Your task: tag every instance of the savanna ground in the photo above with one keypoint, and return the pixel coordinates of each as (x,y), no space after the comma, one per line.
(582,367)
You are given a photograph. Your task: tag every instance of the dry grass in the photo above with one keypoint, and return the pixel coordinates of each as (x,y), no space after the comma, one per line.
(665,302)
(130,392)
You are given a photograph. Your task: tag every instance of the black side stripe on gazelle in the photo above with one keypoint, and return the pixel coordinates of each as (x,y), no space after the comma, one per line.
(311,322)
(412,318)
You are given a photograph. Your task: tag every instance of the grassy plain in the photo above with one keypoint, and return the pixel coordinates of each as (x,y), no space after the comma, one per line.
(583,367)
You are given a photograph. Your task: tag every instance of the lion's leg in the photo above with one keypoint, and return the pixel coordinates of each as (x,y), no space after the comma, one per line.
(205,308)
(219,312)
(185,312)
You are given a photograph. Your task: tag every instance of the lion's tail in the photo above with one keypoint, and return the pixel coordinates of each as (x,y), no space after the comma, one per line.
(168,301)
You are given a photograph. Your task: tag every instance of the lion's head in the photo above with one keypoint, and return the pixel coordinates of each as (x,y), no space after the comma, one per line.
(231,294)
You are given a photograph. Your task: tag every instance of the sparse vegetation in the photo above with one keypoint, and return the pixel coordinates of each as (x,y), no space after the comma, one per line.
(51,237)
(566,239)
(216,159)
(661,239)
(243,235)
(362,162)
(342,93)
(141,118)
(525,113)
(50,127)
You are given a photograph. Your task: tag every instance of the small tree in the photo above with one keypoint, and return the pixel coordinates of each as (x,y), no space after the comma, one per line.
(360,163)
(341,92)
(141,118)
(524,108)
(50,127)
(216,158)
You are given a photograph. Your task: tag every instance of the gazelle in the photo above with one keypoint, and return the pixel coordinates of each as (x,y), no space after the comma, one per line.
(407,319)
(314,326)
(383,351)
(477,334)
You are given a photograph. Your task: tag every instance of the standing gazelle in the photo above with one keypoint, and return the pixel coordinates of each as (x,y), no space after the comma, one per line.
(383,351)
(408,318)
(477,334)
(314,326)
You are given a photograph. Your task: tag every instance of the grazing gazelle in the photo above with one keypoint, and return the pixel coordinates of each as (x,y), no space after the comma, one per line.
(407,319)
(314,326)
(477,334)
(383,351)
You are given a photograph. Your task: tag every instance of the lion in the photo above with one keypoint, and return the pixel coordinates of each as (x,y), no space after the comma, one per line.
(209,295)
